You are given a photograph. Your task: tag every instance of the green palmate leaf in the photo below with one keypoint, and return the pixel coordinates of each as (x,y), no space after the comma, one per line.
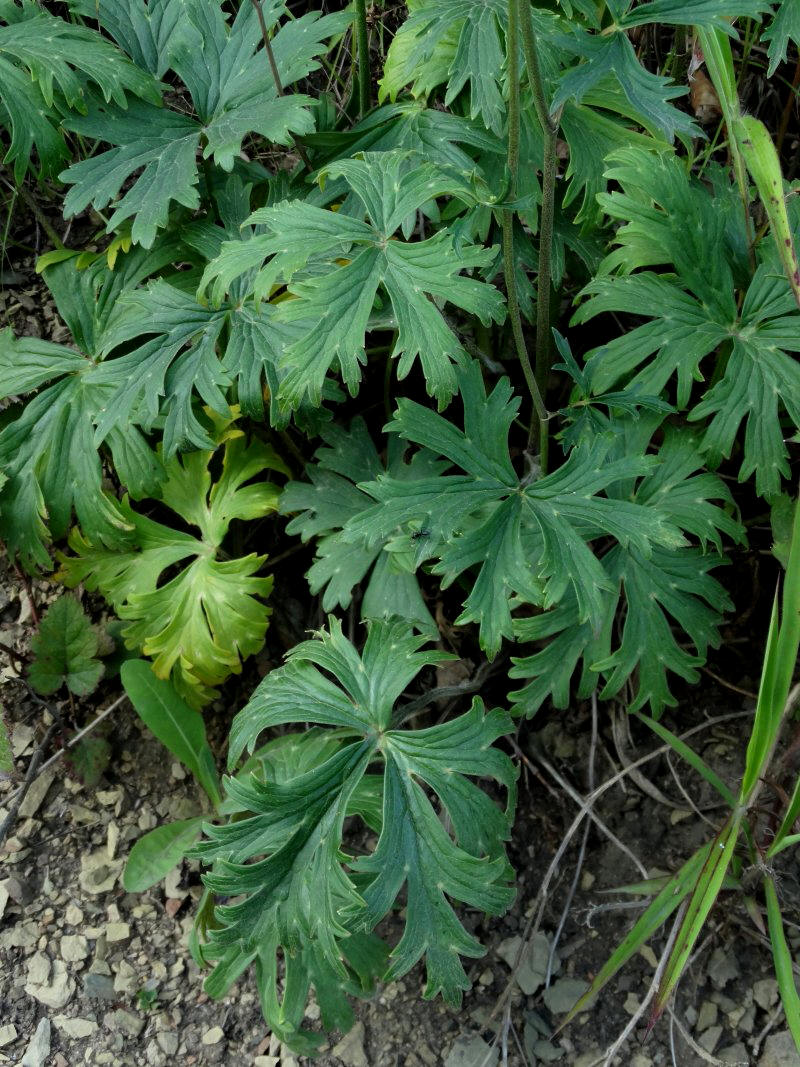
(611,61)
(303,246)
(408,125)
(158,851)
(305,898)
(330,500)
(670,220)
(232,88)
(712,14)
(528,539)
(461,42)
(46,64)
(201,623)
(65,650)
(46,448)
(174,723)
(673,585)
(784,27)
(142,28)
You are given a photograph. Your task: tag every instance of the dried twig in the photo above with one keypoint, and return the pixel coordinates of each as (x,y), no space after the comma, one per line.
(581,851)
(57,756)
(273,66)
(30,777)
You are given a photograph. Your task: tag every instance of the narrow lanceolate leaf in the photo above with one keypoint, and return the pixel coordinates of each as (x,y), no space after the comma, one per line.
(526,539)
(65,650)
(780,659)
(671,220)
(330,500)
(200,624)
(762,161)
(784,964)
(227,74)
(653,918)
(174,723)
(158,851)
(703,897)
(304,245)
(303,895)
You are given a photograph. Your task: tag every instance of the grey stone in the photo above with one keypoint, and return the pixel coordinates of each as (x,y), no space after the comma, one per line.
(213,1036)
(36,794)
(8,1033)
(722,968)
(765,993)
(707,1016)
(168,1042)
(710,1038)
(350,1049)
(38,1049)
(20,891)
(123,1022)
(533,966)
(471,1052)
(74,948)
(547,1052)
(74,1026)
(735,1054)
(779,1051)
(564,994)
(98,987)
(53,988)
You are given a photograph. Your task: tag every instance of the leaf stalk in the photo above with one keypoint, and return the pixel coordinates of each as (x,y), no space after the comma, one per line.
(550,125)
(362,57)
(507,224)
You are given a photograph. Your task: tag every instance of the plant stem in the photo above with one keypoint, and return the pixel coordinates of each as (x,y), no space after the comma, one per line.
(273,66)
(362,56)
(719,63)
(549,124)
(508,214)
(36,211)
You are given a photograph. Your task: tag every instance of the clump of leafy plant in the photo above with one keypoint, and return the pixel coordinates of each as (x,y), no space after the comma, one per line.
(201,623)
(303,899)
(263,237)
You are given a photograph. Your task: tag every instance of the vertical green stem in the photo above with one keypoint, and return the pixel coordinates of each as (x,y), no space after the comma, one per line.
(273,66)
(512,45)
(362,56)
(549,124)
(719,63)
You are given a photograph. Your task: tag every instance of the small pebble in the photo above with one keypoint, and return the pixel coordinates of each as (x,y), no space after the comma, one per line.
(213,1036)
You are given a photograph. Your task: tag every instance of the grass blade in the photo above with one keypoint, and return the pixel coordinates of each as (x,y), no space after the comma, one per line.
(783,962)
(654,917)
(701,902)
(691,757)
